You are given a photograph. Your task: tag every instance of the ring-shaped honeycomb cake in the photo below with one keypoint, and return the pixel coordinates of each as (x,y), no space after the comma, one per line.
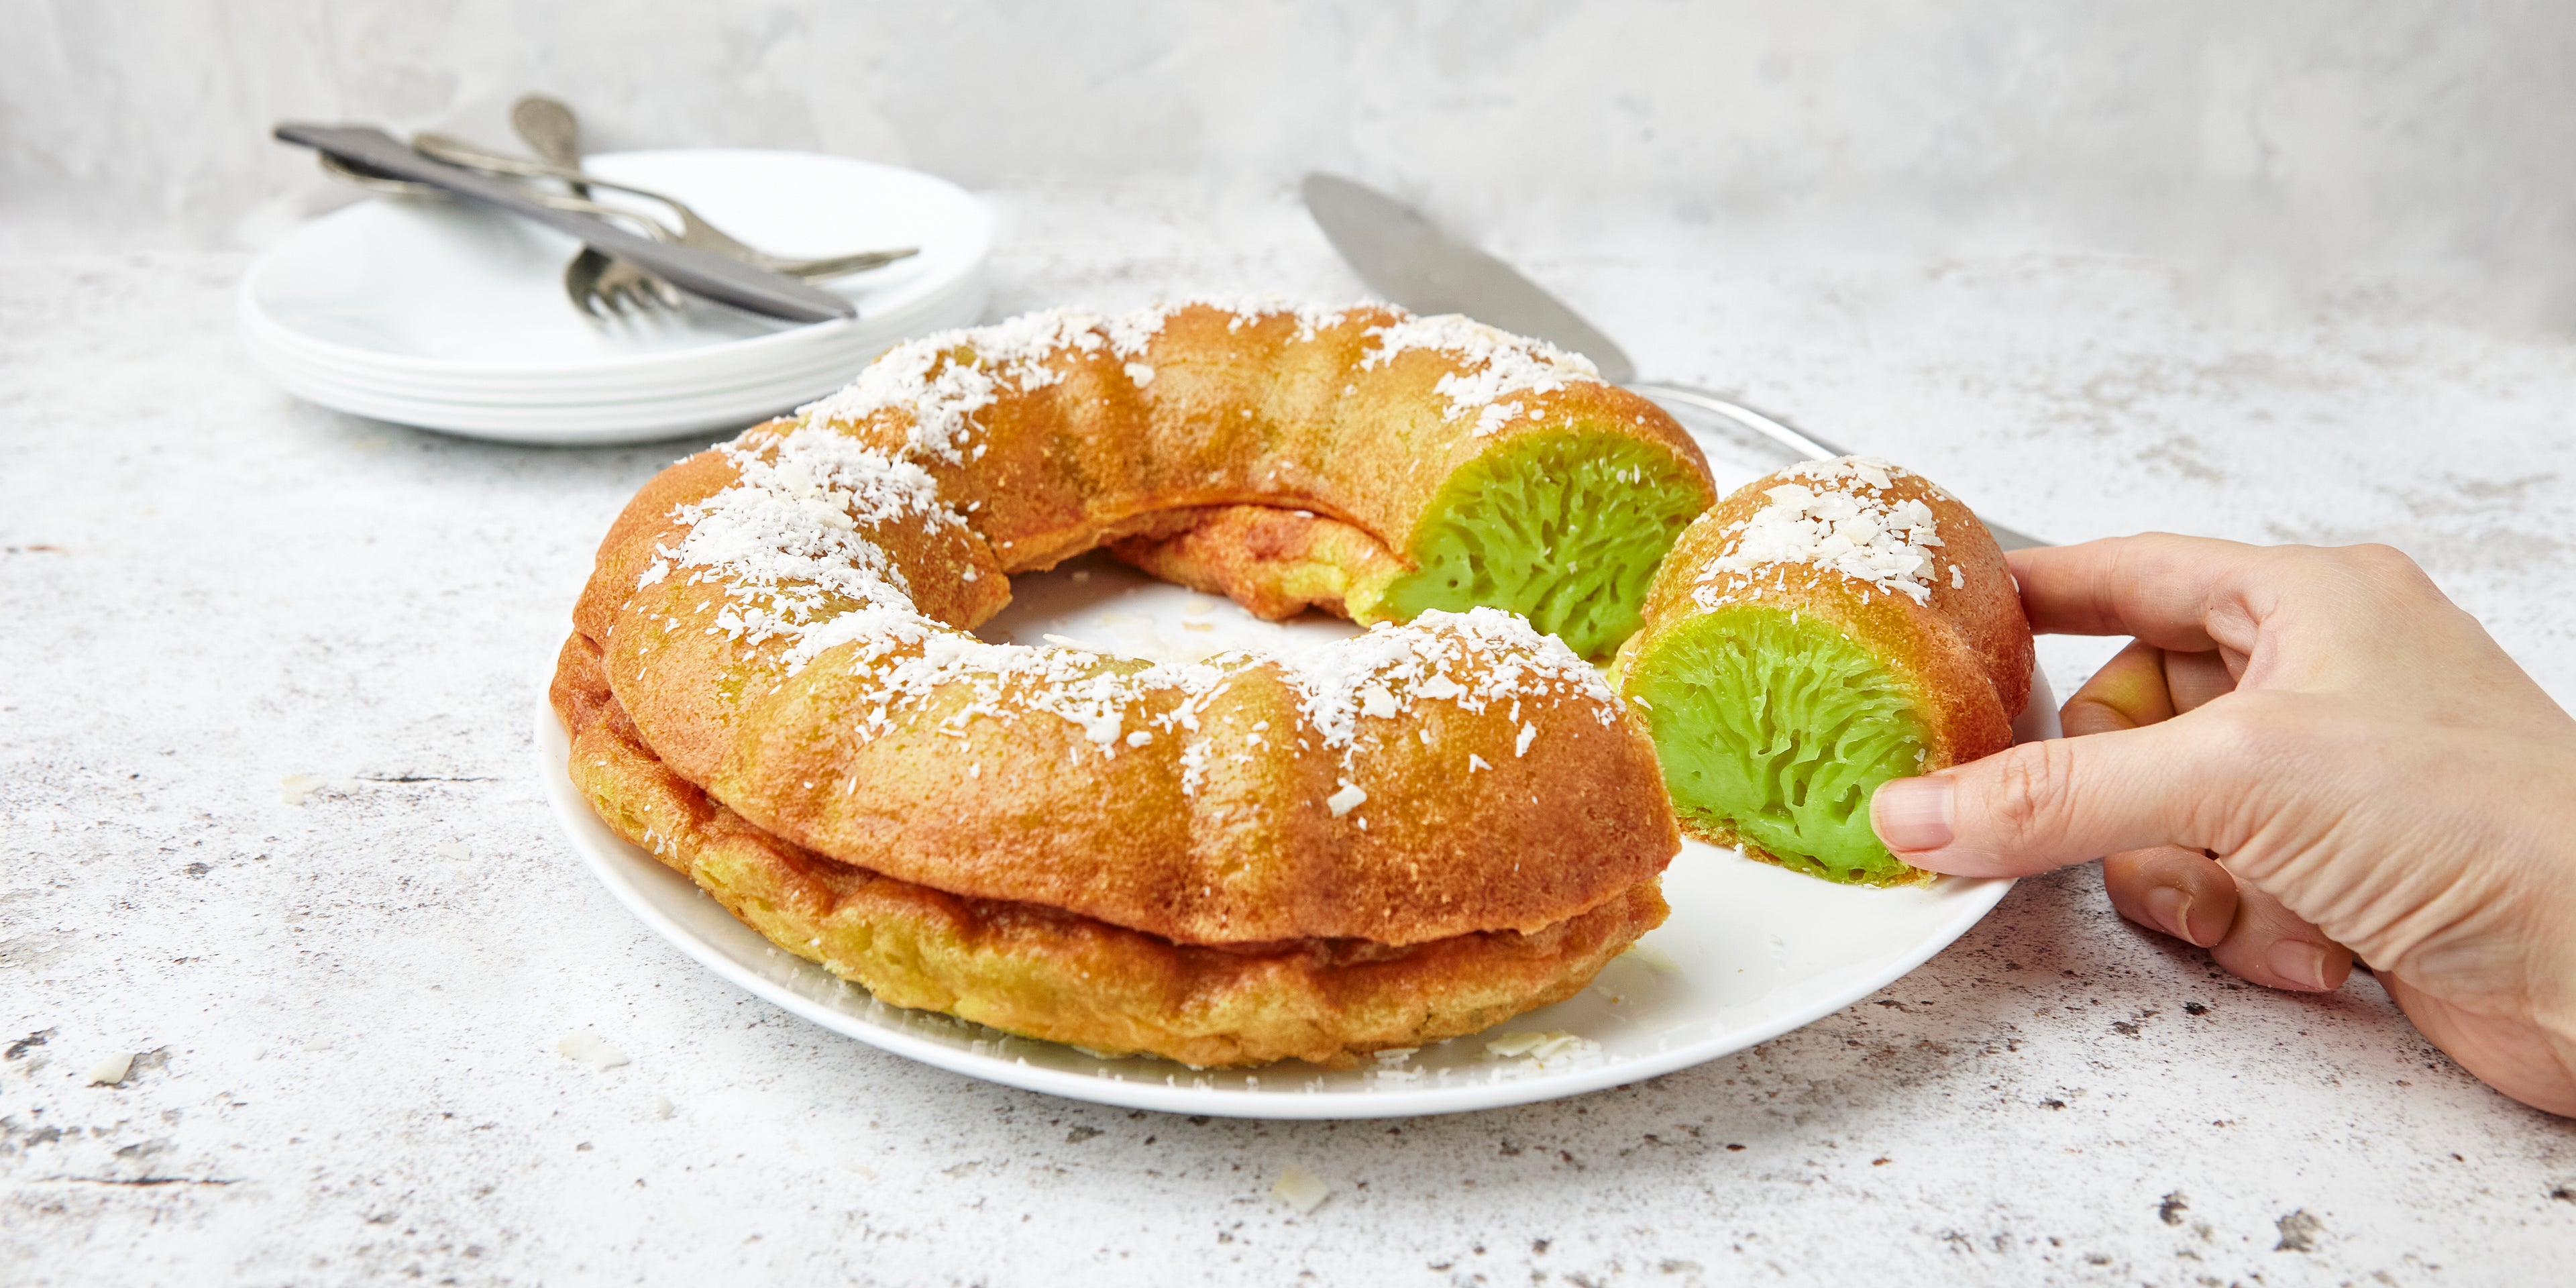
(773,683)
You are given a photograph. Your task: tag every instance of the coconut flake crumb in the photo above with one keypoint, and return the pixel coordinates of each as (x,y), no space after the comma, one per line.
(1390,1070)
(1544,1049)
(585,1047)
(1833,515)
(1349,798)
(1300,1189)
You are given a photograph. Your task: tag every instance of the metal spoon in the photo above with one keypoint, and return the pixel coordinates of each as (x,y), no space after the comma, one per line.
(598,284)
(548,126)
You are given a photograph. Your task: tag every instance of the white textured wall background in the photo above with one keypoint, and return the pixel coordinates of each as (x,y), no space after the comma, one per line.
(2318,143)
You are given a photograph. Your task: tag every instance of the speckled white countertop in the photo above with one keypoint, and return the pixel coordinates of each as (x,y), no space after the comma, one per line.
(347,1006)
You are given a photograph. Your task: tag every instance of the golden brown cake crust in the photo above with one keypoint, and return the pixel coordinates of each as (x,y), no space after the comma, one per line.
(1049,974)
(1214,815)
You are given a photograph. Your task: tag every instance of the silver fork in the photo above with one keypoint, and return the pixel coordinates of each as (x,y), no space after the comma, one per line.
(605,286)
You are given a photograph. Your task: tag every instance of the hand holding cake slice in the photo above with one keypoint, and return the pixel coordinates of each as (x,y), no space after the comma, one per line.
(1819,632)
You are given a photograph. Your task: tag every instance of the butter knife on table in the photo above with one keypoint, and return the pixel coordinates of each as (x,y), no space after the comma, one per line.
(698,272)
(1417,265)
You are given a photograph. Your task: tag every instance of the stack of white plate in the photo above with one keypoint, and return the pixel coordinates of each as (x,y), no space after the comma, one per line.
(432,313)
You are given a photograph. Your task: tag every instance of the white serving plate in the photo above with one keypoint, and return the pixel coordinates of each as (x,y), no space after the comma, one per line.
(1751,950)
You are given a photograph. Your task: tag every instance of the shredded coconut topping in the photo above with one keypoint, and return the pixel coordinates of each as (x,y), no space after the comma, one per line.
(790,539)
(945,378)
(1477,659)
(1381,674)
(1839,519)
(1498,364)
(1130,334)
(1003,681)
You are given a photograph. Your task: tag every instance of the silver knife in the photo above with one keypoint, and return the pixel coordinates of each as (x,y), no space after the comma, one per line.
(1426,270)
(726,281)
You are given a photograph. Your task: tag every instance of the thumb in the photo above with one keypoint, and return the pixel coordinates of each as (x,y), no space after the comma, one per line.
(2043,805)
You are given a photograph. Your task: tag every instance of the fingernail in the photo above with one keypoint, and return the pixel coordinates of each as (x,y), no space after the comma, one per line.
(2299,962)
(2171,907)
(1912,813)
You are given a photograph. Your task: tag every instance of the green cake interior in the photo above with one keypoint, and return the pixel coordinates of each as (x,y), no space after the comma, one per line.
(1776,730)
(1564,529)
